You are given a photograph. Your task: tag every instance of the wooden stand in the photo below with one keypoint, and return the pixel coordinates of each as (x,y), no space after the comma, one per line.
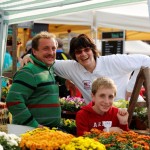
(143,78)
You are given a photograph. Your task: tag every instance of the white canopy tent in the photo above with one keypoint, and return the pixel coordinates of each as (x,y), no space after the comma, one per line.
(133,16)
(81,12)
(137,47)
(132,47)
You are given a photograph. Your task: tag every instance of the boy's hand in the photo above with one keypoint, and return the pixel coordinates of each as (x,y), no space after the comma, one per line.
(123,116)
(122,111)
(114,129)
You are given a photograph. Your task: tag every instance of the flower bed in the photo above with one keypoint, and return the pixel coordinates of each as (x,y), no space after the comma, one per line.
(44,139)
(125,141)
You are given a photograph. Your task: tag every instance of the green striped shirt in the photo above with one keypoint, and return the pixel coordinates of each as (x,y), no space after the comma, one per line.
(33,98)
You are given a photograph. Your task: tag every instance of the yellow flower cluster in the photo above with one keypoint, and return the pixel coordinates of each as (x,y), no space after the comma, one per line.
(44,139)
(69,122)
(83,143)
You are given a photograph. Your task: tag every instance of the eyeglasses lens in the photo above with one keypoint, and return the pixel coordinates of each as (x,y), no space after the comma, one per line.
(86,50)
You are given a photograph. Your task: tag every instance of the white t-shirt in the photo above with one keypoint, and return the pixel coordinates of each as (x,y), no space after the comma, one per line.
(117,67)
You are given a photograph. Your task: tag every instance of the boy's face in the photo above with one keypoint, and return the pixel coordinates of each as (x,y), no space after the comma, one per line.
(103,100)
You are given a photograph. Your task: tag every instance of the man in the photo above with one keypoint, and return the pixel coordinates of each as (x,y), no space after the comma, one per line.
(33,99)
(88,65)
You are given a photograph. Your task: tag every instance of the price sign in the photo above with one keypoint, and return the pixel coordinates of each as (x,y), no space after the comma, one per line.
(112,47)
(112,43)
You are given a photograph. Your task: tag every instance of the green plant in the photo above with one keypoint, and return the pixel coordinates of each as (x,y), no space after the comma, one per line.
(121,103)
(141,112)
(141,117)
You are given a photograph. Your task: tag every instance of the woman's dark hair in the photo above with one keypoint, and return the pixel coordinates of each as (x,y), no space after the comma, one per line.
(82,41)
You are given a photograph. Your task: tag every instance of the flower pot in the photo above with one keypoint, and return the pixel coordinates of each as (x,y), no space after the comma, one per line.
(68,114)
(140,124)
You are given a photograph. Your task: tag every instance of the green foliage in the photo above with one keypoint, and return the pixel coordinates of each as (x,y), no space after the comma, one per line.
(121,103)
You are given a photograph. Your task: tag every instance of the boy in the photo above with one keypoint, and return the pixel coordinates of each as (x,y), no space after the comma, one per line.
(100,111)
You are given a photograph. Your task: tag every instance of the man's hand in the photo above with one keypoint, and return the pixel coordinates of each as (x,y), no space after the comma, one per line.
(25,60)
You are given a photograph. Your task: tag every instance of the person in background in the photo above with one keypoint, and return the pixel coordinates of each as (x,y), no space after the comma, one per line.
(100,111)
(61,55)
(87,65)
(7,62)
(7,66)
(28,49)
(33,99)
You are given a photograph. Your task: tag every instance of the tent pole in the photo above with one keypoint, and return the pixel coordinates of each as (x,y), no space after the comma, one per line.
(149,7)
(94,28)
(14,48)
(3,40)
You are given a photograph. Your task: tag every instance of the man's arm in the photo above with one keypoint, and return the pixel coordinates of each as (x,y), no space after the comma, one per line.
(20,91)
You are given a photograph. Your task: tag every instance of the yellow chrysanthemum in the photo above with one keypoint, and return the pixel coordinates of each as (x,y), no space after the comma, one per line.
(83,143)
(44,138)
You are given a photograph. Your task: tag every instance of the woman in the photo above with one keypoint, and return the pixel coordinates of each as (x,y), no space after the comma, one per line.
(88,65)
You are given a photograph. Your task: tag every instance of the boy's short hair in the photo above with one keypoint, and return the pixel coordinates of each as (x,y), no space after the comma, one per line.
(103,82)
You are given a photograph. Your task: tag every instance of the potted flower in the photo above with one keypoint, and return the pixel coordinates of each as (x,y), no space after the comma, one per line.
(70,105)
(140,118)
(69,125)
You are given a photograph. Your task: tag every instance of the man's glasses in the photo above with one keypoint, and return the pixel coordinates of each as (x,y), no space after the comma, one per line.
(86,50)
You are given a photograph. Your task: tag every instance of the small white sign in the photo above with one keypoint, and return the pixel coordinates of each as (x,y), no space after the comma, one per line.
(107,125)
